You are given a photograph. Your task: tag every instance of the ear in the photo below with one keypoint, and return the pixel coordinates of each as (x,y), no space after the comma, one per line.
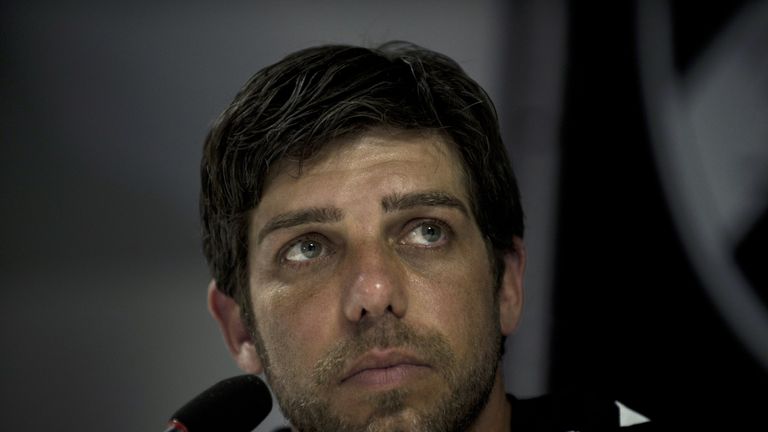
(511,290)
(226,312)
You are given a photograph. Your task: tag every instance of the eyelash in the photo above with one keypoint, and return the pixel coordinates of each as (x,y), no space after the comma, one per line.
(327,251)
(447,231)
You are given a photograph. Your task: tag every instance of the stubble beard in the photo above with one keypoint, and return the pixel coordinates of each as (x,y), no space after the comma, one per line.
(468,386)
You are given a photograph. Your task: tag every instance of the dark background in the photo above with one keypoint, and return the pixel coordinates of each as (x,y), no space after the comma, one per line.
(631,313)
(104,106)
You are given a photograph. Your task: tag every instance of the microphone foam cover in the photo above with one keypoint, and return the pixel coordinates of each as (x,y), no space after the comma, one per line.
(235,404)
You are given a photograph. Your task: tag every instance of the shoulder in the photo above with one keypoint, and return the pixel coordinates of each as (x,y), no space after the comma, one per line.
(570,411)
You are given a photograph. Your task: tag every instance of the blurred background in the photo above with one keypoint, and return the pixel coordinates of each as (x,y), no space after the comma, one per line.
(638,130)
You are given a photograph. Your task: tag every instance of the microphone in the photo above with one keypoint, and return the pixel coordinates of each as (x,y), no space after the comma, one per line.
(235,404)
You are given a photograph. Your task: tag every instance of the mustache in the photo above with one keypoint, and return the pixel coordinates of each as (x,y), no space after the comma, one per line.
(429,346)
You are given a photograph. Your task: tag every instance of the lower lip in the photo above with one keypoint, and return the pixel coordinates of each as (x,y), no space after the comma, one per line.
(387,377)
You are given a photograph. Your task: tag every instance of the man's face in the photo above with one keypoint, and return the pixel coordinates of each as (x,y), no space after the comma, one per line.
(372,289)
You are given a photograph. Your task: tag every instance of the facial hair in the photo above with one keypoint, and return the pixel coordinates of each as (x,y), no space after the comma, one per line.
(456,406)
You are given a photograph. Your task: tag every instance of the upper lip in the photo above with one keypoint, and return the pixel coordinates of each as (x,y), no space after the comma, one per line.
(378,359)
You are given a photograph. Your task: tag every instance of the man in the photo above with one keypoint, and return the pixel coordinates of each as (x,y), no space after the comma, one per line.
(364,230)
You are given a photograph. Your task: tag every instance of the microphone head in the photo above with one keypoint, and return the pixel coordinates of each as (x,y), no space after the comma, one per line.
(235,404)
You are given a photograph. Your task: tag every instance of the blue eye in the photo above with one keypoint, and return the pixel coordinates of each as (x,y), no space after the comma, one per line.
(304,250)
(431,233)
(425,234)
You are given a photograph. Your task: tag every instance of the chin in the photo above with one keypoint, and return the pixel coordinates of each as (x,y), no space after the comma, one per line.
(405,421)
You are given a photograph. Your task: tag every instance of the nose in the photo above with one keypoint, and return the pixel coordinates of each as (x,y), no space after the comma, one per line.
(376,285)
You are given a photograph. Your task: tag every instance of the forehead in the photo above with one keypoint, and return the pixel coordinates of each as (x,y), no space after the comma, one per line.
(376,163)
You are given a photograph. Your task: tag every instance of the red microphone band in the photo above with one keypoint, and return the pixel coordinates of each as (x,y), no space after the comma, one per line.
(176,426)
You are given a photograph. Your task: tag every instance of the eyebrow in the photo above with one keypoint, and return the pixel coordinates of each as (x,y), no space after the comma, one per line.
(390,204)
(398,202)
(301,217)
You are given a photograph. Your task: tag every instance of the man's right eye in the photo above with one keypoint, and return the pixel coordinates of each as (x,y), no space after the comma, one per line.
(304,250)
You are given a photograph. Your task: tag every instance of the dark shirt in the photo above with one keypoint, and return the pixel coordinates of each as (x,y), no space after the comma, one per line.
(565,413)
(569,412)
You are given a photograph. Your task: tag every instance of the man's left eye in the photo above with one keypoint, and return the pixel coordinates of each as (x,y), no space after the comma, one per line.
(426,234)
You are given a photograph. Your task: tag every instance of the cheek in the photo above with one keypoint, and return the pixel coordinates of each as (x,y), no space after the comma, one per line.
(458,300)
(295,325)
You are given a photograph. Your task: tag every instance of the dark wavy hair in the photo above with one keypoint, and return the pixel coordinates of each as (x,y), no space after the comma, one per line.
(291,109)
